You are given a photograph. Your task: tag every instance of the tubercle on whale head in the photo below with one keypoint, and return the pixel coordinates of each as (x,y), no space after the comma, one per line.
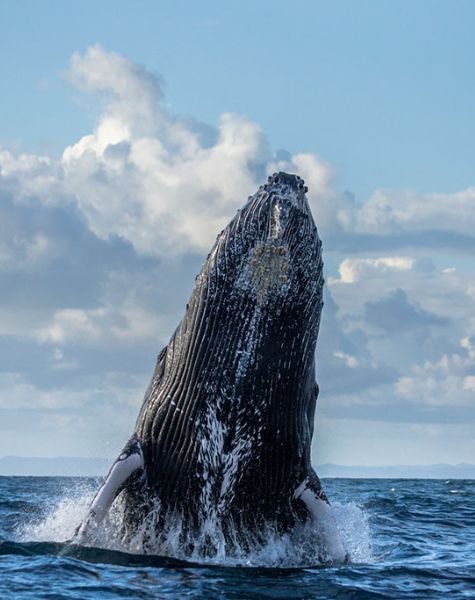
(283,187)
(288,179)
(287,190)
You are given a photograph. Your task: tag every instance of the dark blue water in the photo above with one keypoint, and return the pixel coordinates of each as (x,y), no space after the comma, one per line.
(408,539)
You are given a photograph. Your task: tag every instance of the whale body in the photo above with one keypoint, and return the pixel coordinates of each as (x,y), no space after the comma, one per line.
(223,438)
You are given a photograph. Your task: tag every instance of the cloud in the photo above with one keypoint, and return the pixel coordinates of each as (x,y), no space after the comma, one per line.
(132,93)
(344,358)
(356,269)
(448,381)
(412,320)
(166,184)
(395,313)
(18,393)
(90,417)
(72,324)
(393,220)
(126,322)
(362,282)
(389,211)
(163,183)
(20,252)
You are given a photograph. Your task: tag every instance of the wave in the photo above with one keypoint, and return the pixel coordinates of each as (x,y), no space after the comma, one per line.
(89,554)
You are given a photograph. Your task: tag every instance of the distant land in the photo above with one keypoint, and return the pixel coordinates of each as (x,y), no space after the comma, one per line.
(94,467)
(437,471)
(57,466)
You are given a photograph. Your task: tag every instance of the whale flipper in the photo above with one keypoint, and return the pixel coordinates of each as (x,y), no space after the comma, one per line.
(127,470)
(311,494)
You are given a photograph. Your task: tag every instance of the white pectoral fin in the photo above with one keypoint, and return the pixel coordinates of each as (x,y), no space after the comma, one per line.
(129,462)
(320,513)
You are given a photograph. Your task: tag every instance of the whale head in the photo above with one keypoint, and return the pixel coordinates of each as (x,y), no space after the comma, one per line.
(270,253)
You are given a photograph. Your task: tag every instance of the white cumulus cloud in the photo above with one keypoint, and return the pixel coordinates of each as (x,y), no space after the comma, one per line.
(165,184)
(354,269)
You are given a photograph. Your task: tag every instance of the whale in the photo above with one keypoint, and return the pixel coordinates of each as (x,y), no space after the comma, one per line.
(223,439)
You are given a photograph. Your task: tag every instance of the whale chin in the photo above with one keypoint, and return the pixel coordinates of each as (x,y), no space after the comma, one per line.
(221,446)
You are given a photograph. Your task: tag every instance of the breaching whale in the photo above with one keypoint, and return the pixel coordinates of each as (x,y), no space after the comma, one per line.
(222,441)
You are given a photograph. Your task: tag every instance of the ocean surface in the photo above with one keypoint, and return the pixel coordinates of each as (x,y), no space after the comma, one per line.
(406,538)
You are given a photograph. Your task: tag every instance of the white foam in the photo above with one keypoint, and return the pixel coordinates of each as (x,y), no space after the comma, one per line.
(353,524)
(304,547)
(60,521)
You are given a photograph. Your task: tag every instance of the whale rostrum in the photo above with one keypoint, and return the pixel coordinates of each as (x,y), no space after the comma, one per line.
(224,434)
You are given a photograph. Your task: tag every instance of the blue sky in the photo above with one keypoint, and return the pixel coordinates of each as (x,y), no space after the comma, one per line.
(383,90)
(131,132)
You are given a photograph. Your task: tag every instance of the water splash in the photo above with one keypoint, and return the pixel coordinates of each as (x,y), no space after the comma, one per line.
(303,547)
(353,524)
(59,522)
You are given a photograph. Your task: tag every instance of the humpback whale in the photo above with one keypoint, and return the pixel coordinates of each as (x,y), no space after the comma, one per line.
(222,440)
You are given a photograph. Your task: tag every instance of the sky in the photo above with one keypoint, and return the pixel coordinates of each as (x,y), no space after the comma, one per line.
(129,135)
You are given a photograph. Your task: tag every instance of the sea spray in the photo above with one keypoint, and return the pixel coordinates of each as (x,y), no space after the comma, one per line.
(163,535)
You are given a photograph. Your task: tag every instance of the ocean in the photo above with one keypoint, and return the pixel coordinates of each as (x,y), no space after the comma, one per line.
(407,539)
